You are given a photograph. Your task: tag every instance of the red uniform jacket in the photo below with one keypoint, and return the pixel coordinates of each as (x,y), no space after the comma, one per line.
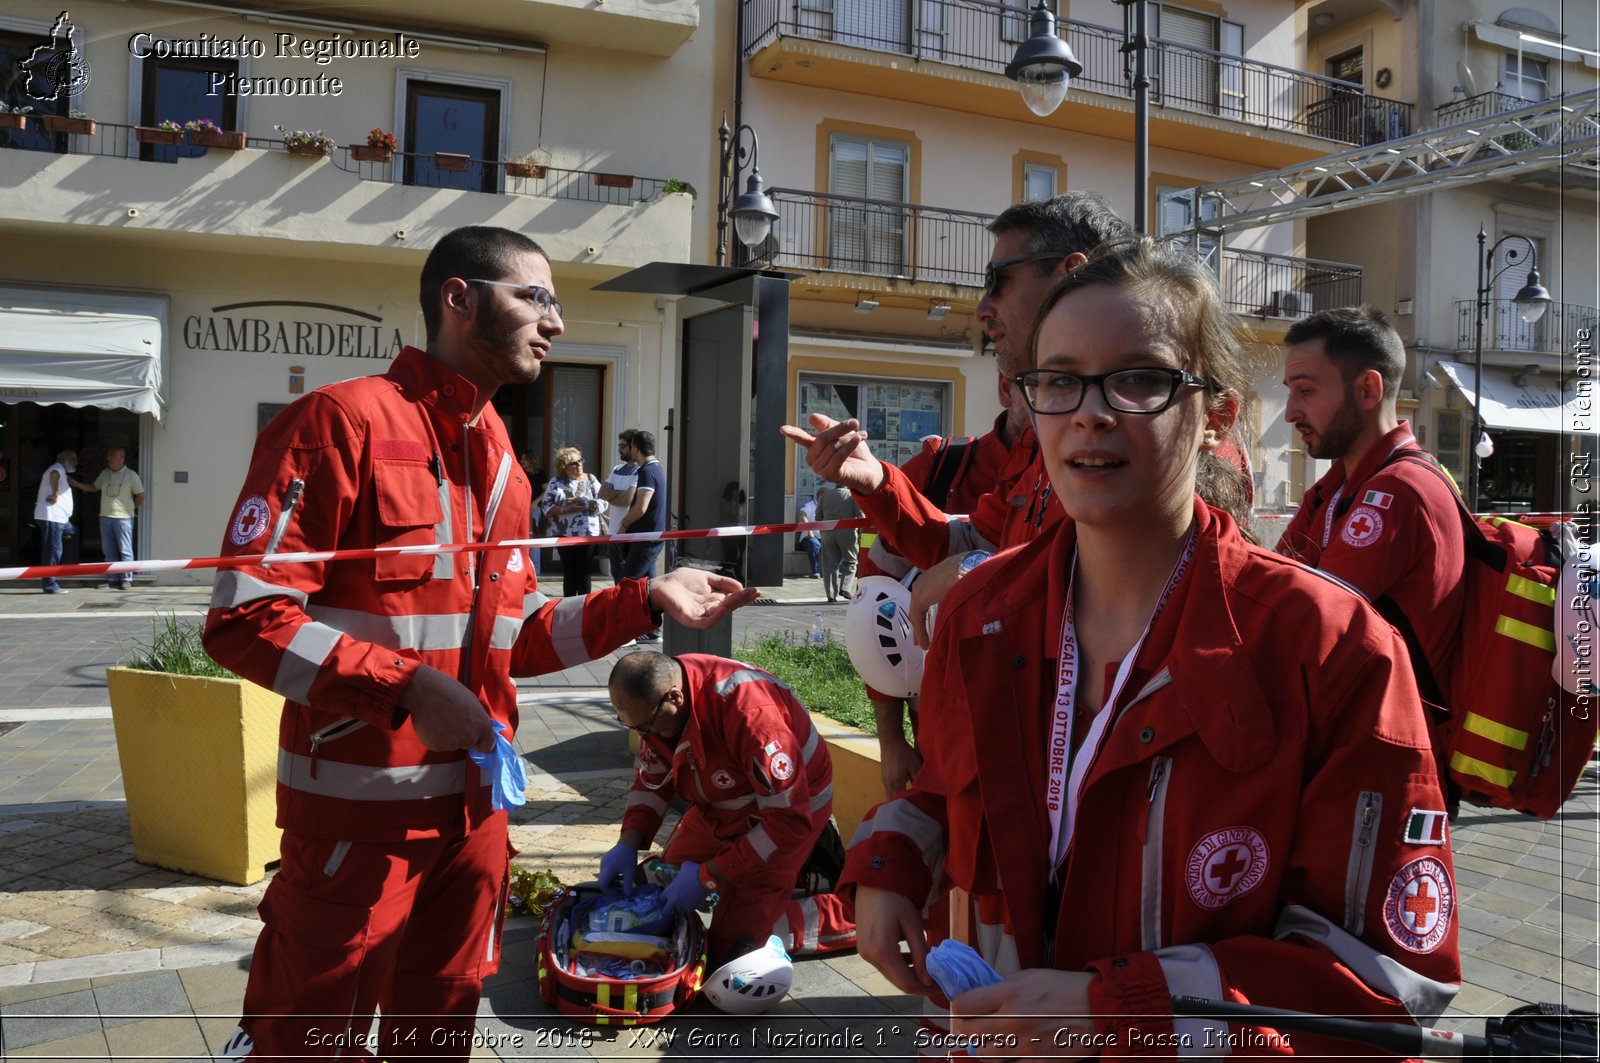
(391,461)
(1394,532)
(749,759)
(1242,834)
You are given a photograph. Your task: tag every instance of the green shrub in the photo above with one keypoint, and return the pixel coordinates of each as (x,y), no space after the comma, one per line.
(174,647)
(821,677)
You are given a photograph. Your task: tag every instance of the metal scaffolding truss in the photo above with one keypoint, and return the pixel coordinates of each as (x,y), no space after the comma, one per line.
(1540,136)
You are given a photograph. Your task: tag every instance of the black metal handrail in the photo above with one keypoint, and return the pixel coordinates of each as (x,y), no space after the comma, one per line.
(113,140)
(983,35)
(877,238)
(1488,104)
(1504,329)
(1261,284)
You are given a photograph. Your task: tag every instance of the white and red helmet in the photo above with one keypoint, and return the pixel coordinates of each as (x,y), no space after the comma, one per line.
(754,982)
(877,635)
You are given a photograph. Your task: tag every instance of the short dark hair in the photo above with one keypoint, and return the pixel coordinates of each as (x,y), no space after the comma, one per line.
(1076,221)
(1356,338)
(643,676)
(644,442)
(627,435)
(476,251)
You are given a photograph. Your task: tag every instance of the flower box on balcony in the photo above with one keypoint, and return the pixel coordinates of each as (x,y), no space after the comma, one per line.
(451,161)
(525,169)
(61,123)
(614,180)
(228,140)
(8,120)
(149,134)
(368,153)
(306,149)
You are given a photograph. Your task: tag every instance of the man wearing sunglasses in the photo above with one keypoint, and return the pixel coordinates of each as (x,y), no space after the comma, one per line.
(394,667)
(733,742)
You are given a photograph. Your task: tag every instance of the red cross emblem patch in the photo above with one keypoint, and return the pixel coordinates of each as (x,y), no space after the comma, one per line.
(1363,527)
(1226,864)
(1420,905)
(250,521)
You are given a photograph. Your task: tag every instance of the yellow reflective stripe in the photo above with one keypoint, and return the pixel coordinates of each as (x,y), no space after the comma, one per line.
(602,997)
(630,998)
(1495,732)
(1525,632)
(1472,766)
(1523,587)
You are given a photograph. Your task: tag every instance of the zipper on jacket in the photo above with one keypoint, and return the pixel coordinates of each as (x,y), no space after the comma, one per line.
(1358,874)
(1154,828)
(291,499)
(336,729)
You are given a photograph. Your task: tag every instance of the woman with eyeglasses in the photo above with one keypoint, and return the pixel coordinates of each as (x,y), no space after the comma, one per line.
(572,502)
(1164,761)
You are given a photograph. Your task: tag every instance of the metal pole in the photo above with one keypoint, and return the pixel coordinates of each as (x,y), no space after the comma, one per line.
(1141,123)
(724,192)
(1479,310)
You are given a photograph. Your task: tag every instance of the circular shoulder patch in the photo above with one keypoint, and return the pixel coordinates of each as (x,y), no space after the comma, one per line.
(1225,865)
(250,521)
(1363,527)
(781,766)
(1420,905)
(722,779)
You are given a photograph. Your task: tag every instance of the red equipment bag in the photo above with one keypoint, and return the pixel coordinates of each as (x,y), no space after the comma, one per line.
(615,1001)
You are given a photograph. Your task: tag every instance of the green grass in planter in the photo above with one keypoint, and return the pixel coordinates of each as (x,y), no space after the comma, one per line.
(175,647)
(822,677)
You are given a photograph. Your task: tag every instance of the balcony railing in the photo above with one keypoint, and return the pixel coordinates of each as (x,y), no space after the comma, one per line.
(1504,329)
(877,238)
(422,170)
(1258,284)
(983,35)
(1487,104)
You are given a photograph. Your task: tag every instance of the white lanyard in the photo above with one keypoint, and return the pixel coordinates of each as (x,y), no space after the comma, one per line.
(1066,773)
(1333,503)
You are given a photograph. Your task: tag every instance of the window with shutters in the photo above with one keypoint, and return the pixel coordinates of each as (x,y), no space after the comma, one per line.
(1038,182)
(867,224)
(459,119)
(1192,62)
(883,25)
(1526,78)
(1505,324)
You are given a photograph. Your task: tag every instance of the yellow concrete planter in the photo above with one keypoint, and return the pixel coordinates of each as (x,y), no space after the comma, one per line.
(199,766)
(857,772)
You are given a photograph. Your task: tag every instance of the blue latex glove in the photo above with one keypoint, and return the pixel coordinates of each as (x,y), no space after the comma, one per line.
(684,893)
(957,967)
(508,780)
(618,863)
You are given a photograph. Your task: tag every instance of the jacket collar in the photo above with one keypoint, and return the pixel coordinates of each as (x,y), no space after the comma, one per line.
(432,382)
(1393,440)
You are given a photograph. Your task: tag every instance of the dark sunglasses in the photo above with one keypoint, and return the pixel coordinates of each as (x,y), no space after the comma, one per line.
(992,272)
(647,727)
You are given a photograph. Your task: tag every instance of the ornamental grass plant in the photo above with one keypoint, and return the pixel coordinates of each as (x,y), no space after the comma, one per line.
(821,676)
(175,648)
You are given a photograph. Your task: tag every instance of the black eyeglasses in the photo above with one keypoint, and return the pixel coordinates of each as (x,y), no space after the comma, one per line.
(992,272)
(1145,390)
(543,302)
(648,726)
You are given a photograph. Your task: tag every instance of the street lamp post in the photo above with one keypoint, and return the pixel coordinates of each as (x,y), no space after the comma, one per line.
(752,211)
(1531,301)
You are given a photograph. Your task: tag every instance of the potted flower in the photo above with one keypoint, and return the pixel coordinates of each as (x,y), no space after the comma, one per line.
(14,118)
(535,163)
(305,141)
(451,161)
(673,186)
(204,133)
(77,122)
(166,132)
(380,147)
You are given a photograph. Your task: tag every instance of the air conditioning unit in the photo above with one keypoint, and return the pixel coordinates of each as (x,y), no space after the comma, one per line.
(1291,303)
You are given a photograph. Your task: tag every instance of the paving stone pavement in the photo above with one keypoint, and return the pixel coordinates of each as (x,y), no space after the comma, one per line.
(105,958)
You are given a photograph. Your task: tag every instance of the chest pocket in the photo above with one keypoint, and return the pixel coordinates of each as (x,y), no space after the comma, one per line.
(410,513)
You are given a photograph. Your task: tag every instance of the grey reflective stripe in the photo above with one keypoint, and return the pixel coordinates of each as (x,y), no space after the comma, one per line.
(444,565)
(1191,970)
(233,588)
(964,537)
(532,602)
(303,660)
(810,920)
(442,632)
(647,800)
(1358,872)
(566,631)
(336,858)
(900,816)
(364,782)
(496,493)
(1150,881)
(781,799)
(889,563)
(807,751)
(747,675)
(996,945)
(762,842)
(1424,998)
(822,798)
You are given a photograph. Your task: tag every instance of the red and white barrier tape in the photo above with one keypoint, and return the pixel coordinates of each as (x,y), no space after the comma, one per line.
(241,560)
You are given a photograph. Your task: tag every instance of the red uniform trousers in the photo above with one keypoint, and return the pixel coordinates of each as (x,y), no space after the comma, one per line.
(763,903)
(409,928)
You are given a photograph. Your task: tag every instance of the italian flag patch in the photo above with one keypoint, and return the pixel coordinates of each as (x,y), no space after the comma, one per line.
(1426,827)
(1381,499)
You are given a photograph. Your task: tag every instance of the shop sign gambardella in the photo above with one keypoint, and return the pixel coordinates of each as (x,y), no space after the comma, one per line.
(286,328)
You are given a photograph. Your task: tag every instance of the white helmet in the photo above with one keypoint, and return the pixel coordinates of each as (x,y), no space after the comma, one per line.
(754,982)
(1577,613)
(877,635)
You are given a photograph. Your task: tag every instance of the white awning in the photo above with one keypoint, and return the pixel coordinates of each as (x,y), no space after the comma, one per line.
(1536,405)
(82,349)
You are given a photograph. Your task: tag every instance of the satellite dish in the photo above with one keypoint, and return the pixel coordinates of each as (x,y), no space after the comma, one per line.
(1464,75)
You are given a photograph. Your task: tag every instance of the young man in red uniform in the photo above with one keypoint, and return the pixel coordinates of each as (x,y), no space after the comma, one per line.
(393,668)
(733,742)
(1381,523)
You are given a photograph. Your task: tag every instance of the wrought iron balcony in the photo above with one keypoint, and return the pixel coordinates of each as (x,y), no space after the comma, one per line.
(877,238)
(1504,329)
(1259,284)
(982,35)
(1487,104)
